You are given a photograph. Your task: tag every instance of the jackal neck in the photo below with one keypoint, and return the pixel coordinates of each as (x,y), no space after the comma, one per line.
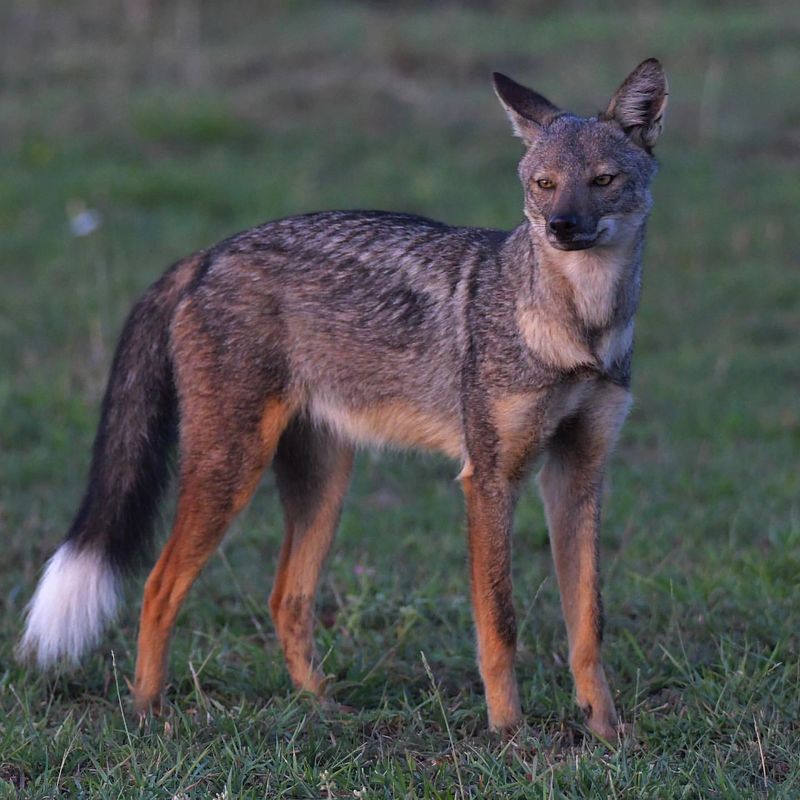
(566,299)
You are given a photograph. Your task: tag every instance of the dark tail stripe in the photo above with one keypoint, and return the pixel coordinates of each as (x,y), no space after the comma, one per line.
(138,424)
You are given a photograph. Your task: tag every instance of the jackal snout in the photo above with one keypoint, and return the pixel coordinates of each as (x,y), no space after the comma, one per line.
(573,225)
(568,230)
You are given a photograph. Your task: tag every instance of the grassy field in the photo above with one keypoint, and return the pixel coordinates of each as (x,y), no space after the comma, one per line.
(183,126)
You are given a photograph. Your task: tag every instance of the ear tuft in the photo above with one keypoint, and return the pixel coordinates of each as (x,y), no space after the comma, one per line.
(639,104)
(527,110)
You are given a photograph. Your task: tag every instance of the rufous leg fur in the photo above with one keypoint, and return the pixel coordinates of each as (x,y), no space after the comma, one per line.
(220,469)
(571,487)
(312,469)
(489,513)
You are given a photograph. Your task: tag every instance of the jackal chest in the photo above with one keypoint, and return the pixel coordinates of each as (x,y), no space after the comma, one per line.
(526,421)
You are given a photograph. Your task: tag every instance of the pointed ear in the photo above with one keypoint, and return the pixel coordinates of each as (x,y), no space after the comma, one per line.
(639,104)
(527,110)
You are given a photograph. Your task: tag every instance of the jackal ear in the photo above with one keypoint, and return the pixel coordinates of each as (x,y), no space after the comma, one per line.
(527,110)
(639,104)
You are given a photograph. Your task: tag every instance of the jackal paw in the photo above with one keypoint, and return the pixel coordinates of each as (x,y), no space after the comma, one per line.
(508,723)
(330,706)
(604,726)
(146,703)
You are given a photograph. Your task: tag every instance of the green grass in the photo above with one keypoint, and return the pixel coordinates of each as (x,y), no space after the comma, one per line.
(183,133)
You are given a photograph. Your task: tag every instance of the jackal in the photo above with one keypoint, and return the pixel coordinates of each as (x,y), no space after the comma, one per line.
(295,341)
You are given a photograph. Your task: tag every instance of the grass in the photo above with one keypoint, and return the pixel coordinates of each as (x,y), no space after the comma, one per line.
(199,121)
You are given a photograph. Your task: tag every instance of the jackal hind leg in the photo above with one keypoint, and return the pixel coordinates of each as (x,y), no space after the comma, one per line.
(571,487)
(312,470)
(222,458)
(490,506)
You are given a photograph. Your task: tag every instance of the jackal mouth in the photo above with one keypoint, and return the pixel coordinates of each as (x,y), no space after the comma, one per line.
(602,235)
(573,244)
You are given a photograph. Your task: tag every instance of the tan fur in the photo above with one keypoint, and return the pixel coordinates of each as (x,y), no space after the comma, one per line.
(513,417)
(395,424)
(552,340)
(526,420)
(467,470)
(593,276)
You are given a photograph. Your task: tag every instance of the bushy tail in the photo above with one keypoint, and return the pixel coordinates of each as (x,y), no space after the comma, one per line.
(78,593)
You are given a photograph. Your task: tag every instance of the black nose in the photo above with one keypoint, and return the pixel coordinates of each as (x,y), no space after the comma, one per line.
(563,225)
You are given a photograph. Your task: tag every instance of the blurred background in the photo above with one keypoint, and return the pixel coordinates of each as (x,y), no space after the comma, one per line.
(134,132)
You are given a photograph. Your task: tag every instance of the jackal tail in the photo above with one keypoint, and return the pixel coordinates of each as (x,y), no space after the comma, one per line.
(78,594)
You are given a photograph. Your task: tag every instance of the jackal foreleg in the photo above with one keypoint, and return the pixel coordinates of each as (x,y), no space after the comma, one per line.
(571,487)
(490,505)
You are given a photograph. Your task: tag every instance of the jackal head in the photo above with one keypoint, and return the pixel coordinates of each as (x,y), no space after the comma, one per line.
(586,180)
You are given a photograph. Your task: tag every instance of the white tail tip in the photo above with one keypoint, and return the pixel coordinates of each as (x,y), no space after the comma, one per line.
(76,598)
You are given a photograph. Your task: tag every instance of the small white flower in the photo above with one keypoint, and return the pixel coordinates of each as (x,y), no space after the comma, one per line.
(326,784)
(85,222)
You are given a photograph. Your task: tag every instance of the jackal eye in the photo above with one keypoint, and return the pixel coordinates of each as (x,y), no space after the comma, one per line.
(603,180)
(545,183)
